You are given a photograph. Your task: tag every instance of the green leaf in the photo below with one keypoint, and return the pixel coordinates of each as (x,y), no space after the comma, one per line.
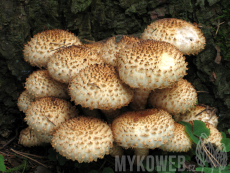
(226,143)
(2,165)
(107,170)
(213,170)
(223,135)
(200,129)
(228,131)
(188,128)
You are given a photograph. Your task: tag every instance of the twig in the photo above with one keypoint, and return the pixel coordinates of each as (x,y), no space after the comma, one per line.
(10,140)
(201,112)
(218,25)
(17,152)
(89,41)
(202,91)
(94,85)
(31,154)
(50,120)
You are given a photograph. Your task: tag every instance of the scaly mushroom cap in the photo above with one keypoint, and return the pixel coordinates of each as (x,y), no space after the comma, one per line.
(95,46)
(38,50)
(215,136)
(47,113)
(187,37)
(67,63)
(179,98)
(149,128)
(108,51)
(41,84)
(99,87)
(24,100)
(45,138)
(28,138)
(193,115)
(83,139)
(180,142)
(151,64)
(127,42)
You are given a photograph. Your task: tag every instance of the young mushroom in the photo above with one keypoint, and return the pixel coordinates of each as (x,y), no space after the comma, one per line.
(41,84)
(187,37)
(99,87)
(149,64)
(143,130)
(180,142)
(47,113)
(84,139)
(38,50)
(67,62)
(198,113)
(24,100)
(178,98)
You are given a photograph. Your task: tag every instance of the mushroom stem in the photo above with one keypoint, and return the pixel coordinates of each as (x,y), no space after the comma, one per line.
(116,150)
(92,113)
(139,153)
(111,114)
(140,99)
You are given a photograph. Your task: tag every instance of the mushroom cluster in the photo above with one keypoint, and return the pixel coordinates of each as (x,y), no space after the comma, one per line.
(118,77)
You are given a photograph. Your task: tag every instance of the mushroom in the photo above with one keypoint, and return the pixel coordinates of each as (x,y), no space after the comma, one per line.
(84,139)
(151,64)
(41,84)
(108,51)
(198,113)
(143,130)
(67,63)
(116,150)
(180,142)
(99,87)
(28,138)
(215,136)
(38,50)
(24,100)
(187,37)
(46,114)
(178,98)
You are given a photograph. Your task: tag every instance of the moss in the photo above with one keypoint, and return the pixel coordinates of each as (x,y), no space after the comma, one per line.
(79,5)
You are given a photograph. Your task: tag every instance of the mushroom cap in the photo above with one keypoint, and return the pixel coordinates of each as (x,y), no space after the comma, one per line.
(24,100)
(38,50)
(148,128)
(151,64)
(187,37)
(41,84)
(98,86)
(180,142)
(83,139)
(178,98)
(215,136)
(108,51)
(46,114)
(44,138)
(28,138)
(67,62)
(192,115)
(127,42)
